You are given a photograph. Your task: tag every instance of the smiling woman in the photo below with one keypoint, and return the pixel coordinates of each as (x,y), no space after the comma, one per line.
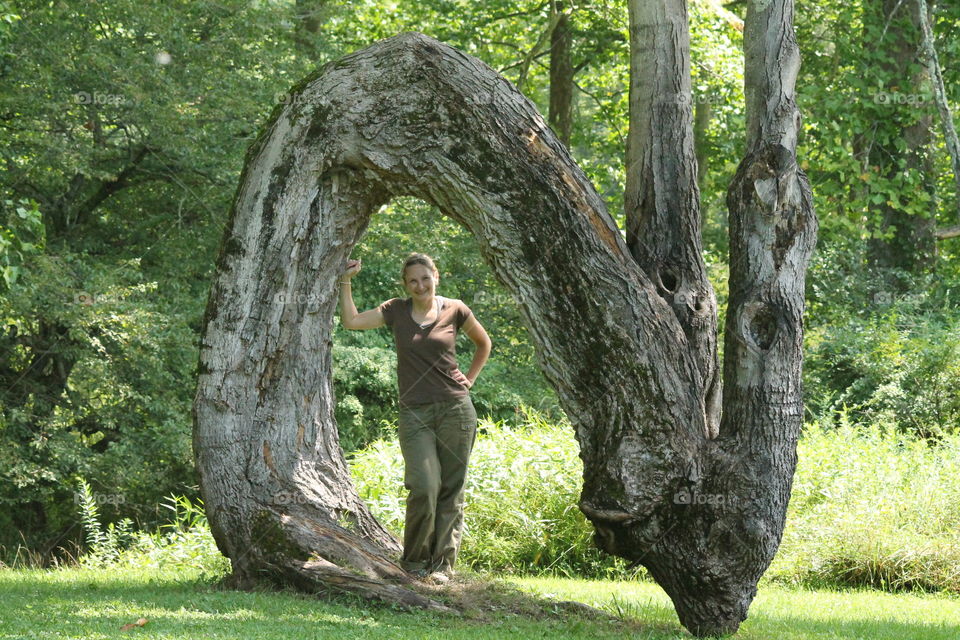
(437,424)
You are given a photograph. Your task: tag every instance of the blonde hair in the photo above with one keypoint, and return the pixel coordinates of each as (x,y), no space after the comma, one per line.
(417,258)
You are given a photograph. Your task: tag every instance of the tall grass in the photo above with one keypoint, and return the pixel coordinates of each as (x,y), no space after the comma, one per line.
(870,507)
(185,541)
(522,493)
(873,507)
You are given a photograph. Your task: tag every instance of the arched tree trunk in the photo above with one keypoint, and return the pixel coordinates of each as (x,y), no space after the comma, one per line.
(411,116)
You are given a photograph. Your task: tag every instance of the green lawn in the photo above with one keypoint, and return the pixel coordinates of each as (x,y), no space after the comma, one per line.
(779,613)
(91,604)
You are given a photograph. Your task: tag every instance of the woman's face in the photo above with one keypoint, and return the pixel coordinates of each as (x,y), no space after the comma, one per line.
(420,281)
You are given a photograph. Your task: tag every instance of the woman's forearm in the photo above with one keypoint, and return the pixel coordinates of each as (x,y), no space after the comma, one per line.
(479,360)
(348,310)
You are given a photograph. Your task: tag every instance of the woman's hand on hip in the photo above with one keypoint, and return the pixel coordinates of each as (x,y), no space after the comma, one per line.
(461,378)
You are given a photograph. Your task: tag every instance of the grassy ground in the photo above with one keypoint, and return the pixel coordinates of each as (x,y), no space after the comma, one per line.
(183,604)
(779,613)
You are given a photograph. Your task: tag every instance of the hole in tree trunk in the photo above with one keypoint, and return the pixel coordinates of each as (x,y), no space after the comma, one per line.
(669,281)
(762,326)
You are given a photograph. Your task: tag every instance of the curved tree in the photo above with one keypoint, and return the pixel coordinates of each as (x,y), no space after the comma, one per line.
(698,500)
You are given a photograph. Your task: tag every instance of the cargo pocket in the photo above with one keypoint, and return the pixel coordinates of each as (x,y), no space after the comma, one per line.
(468,414)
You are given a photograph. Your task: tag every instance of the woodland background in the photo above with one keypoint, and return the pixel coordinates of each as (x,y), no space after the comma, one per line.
(123,129)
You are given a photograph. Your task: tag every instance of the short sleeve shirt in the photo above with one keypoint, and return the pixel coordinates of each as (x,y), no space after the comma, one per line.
(426,355)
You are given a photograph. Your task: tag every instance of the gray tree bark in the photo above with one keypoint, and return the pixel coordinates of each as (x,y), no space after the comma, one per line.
(928,53)
(662,199)
(411,116)
(560,113)
(902,143)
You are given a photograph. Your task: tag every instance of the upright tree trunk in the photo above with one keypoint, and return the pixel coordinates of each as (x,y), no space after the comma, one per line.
(709,546)
(411,116)
(662,200)
(902,142)
(561,76)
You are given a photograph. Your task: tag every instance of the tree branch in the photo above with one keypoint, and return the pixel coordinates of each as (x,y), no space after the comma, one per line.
(948,232)
(929,53)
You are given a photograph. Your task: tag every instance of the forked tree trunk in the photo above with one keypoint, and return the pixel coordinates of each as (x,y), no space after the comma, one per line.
(711,541)
(411,116)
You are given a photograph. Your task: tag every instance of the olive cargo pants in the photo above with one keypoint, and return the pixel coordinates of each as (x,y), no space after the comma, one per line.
(436,440)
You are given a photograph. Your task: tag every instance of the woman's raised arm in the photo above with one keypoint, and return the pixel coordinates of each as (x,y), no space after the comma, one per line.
(370,319)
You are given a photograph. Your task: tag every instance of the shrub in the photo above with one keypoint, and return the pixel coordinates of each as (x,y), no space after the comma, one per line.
(185,541)
(895,368)
(521,505)
(872,507)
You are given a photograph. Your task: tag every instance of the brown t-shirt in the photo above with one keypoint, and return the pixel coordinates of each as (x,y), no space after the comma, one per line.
(426,356)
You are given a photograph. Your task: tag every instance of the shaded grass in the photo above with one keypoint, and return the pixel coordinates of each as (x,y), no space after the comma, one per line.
(188,605)
(778,612)
(183,604)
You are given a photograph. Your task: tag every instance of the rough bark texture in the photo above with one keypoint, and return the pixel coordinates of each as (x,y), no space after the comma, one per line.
(411,116)
(772,235)
(561,76)
(407,116)
(662,200)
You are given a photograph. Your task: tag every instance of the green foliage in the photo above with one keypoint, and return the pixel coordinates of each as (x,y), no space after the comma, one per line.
(881,356)
(103,544)
(365,385)
(121,418)
(125,128)
(182,542)
(859,92)
(21,237)
(871,507)
(522,493)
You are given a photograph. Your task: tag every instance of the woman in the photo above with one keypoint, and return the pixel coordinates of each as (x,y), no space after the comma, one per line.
(437,423)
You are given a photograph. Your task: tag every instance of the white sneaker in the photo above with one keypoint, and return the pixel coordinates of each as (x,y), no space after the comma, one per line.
(438,577)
